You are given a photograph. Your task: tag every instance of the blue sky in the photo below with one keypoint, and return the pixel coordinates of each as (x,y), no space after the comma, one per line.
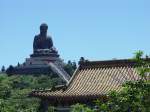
(94,29)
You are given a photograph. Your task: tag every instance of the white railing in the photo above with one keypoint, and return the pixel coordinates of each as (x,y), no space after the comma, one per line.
(60,71)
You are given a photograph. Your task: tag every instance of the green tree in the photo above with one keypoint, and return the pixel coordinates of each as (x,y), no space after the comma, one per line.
(81,108)
(10,70)
(14,91)
(3,69)
(70,67)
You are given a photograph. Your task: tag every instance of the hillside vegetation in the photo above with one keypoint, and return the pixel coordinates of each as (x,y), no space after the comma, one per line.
(14,92)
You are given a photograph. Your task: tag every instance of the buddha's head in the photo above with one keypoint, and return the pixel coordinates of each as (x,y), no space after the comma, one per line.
(43,28)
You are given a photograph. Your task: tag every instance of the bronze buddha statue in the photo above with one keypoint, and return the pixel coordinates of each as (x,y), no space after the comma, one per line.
(43,44)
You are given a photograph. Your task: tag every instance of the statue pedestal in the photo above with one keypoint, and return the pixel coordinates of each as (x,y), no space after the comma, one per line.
(45,53)
(41,60)
(38,63)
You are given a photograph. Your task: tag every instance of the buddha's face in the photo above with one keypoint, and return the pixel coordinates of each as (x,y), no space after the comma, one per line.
(43,28)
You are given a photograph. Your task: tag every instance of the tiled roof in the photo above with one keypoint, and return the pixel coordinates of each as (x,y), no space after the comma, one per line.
(92,80)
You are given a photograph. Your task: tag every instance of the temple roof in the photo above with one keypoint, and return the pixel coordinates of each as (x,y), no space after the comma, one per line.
(92,80)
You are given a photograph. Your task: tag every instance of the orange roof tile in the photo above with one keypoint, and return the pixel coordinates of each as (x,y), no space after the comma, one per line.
(93,80)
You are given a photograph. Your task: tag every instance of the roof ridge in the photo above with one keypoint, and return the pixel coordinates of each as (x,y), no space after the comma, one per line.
(110,63)
(74,74)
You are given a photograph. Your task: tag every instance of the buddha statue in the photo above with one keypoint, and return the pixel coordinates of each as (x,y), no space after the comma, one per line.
(43,43)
